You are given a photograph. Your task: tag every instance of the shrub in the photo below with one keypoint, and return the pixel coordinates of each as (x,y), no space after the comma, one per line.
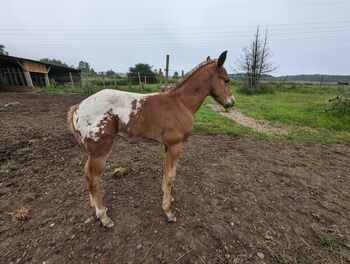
(344,106)
(262,88)
(89,89)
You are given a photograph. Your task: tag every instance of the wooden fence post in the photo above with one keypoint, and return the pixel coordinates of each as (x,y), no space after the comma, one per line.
(71,79)
(166,71)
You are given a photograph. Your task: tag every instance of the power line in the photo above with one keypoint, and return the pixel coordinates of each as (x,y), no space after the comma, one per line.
(206,32)
(60,38)
(173,28)
(174,9)
(302,42)
(333,35)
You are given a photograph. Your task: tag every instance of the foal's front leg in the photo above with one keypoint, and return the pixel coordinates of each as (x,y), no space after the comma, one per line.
(172,155)
(164,177)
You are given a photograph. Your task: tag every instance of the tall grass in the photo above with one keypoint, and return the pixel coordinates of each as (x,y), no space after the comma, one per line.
(89,89)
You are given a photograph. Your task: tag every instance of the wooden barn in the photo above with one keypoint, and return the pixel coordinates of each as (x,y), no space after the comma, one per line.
(19,74)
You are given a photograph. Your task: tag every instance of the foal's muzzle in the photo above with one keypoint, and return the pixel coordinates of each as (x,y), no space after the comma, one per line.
(230,104)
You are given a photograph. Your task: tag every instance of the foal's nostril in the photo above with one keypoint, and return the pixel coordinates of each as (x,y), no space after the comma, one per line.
(230,104)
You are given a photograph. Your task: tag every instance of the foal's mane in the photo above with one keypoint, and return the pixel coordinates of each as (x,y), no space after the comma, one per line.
(190,73)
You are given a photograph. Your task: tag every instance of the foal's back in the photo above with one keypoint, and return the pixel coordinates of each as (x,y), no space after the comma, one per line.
(153,116)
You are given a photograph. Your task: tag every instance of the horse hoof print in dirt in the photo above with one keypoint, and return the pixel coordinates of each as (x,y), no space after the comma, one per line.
(165,117)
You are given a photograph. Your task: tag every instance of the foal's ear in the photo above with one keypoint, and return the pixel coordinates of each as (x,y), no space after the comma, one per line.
(222,58)
(208,58)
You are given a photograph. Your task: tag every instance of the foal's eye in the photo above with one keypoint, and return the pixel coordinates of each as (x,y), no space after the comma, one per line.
(227,81)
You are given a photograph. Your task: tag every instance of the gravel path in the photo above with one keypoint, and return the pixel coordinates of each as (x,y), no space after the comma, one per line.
(261,126)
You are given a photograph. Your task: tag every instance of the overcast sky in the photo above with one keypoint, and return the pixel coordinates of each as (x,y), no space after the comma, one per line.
(306,36)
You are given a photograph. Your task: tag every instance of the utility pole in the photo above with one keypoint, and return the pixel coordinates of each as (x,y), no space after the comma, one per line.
(166,71)
(321,82)
(103,80)
(140,83)
(160,78)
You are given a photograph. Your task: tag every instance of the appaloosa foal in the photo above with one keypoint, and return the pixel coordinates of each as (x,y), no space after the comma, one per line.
(165,117)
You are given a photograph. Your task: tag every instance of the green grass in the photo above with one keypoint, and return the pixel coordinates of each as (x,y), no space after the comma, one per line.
(208,121)
(333,243)
(89,89)
(293,109)
(302,111)
(68,89)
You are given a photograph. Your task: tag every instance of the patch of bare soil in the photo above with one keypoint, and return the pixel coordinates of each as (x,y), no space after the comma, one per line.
(261,126)
(237,200)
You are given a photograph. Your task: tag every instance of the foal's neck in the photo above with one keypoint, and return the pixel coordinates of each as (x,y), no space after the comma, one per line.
(193,92)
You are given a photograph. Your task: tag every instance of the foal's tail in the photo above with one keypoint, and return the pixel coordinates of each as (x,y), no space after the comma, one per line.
(70,124)
(70,119)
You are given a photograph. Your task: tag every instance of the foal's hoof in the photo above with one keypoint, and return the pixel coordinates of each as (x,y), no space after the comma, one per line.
(172,199)
(172,219)
(107,222)
(102,215)
(110,224)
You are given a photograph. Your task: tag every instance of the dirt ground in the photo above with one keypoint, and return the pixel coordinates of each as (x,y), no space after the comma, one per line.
(237,200)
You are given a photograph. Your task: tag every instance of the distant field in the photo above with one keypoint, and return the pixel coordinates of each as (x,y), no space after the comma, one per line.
(298,106)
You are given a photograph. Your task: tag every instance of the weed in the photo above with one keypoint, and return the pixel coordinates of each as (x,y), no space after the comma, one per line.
(332,241)
(5,166)
(22,214)
(188,158)
(345,196)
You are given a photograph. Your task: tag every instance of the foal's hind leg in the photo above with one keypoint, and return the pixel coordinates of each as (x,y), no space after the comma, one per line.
(94,168)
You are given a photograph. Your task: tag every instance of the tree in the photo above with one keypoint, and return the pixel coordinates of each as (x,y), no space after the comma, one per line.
(85,67)
(53,62)
(145,70)
(175,75)
(2,50)
(255,62)
(111,73)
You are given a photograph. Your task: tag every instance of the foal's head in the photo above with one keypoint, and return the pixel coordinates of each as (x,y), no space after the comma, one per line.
(220,84)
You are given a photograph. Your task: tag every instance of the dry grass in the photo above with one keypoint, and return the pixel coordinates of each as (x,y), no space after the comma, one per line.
(119,172)
(22,214)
